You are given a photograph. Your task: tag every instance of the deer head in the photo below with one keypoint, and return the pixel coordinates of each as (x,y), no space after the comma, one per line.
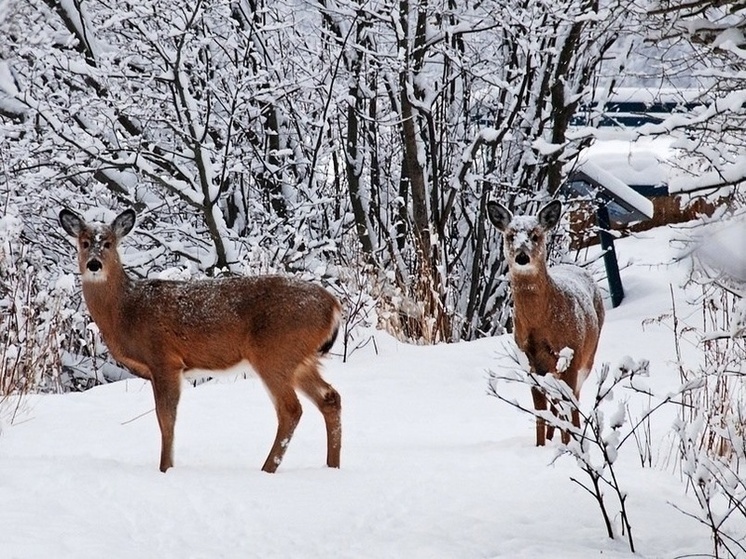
(97,242)
(524,237)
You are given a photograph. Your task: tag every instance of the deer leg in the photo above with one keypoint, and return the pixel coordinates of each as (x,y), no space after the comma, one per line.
(576,418)
(574,378)
(166,390)
(550,427)
(564,433)
(583,373)
(575,411)
(288,410)
(540,404)
(329,403)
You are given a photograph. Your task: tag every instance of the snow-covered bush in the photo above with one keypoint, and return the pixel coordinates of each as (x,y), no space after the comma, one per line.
(29,343)
(711,429)
(603,431)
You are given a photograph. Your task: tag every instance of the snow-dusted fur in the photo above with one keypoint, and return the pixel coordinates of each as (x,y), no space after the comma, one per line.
(161,329)
(554,308)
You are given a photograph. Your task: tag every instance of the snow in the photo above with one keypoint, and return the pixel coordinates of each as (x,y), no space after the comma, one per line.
(546,148)
(651,95)
(9,90)
(642,161)
(721,247)
(432,467)
(565,358)
(726,173)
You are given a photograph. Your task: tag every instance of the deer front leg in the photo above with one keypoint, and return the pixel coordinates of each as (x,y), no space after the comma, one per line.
(166,390)
(540,404)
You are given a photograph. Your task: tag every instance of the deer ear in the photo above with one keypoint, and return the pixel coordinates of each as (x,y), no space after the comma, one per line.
(499,215)
(123,223)
(549,215)
(71,222)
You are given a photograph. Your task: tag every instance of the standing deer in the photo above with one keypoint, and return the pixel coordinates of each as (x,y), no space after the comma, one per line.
(160,329)
(553,308)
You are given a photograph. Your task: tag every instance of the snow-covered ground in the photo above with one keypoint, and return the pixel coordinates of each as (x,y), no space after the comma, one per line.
(432,467)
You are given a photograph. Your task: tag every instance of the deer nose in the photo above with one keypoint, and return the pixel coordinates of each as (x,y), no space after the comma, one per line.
(94,266)
(522,259)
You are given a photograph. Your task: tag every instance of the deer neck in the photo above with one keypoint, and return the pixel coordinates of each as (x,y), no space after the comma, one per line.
(104,298)
(532,292)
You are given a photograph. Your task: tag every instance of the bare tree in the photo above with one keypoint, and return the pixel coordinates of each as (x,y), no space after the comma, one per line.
(291,135)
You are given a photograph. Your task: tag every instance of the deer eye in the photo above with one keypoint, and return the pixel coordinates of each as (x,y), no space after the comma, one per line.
(85,244)
(107,244)
(534,238)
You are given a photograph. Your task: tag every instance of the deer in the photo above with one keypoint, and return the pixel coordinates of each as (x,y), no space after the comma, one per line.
(162,329)
(554,307)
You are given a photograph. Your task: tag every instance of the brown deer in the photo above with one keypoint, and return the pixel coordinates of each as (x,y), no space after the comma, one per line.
(554,307)
(160,329)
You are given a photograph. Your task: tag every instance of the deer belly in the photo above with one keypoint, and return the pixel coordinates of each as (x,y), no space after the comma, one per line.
(137,368)
(241,369)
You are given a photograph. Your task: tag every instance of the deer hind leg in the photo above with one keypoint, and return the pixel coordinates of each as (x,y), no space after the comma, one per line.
(564,434)
(575,410)
(289,411)
(329,403)
(574,414)
(540,404)
(166,390)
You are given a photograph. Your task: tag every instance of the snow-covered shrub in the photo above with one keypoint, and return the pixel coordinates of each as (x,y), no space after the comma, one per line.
(603,431)
(29,345)
(299,129)
(711,429)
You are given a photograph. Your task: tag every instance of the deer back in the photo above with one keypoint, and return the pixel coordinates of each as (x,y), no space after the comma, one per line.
(214,324)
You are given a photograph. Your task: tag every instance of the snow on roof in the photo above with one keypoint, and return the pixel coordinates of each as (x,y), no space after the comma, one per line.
(652,95)
(644,161)
(616,186)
